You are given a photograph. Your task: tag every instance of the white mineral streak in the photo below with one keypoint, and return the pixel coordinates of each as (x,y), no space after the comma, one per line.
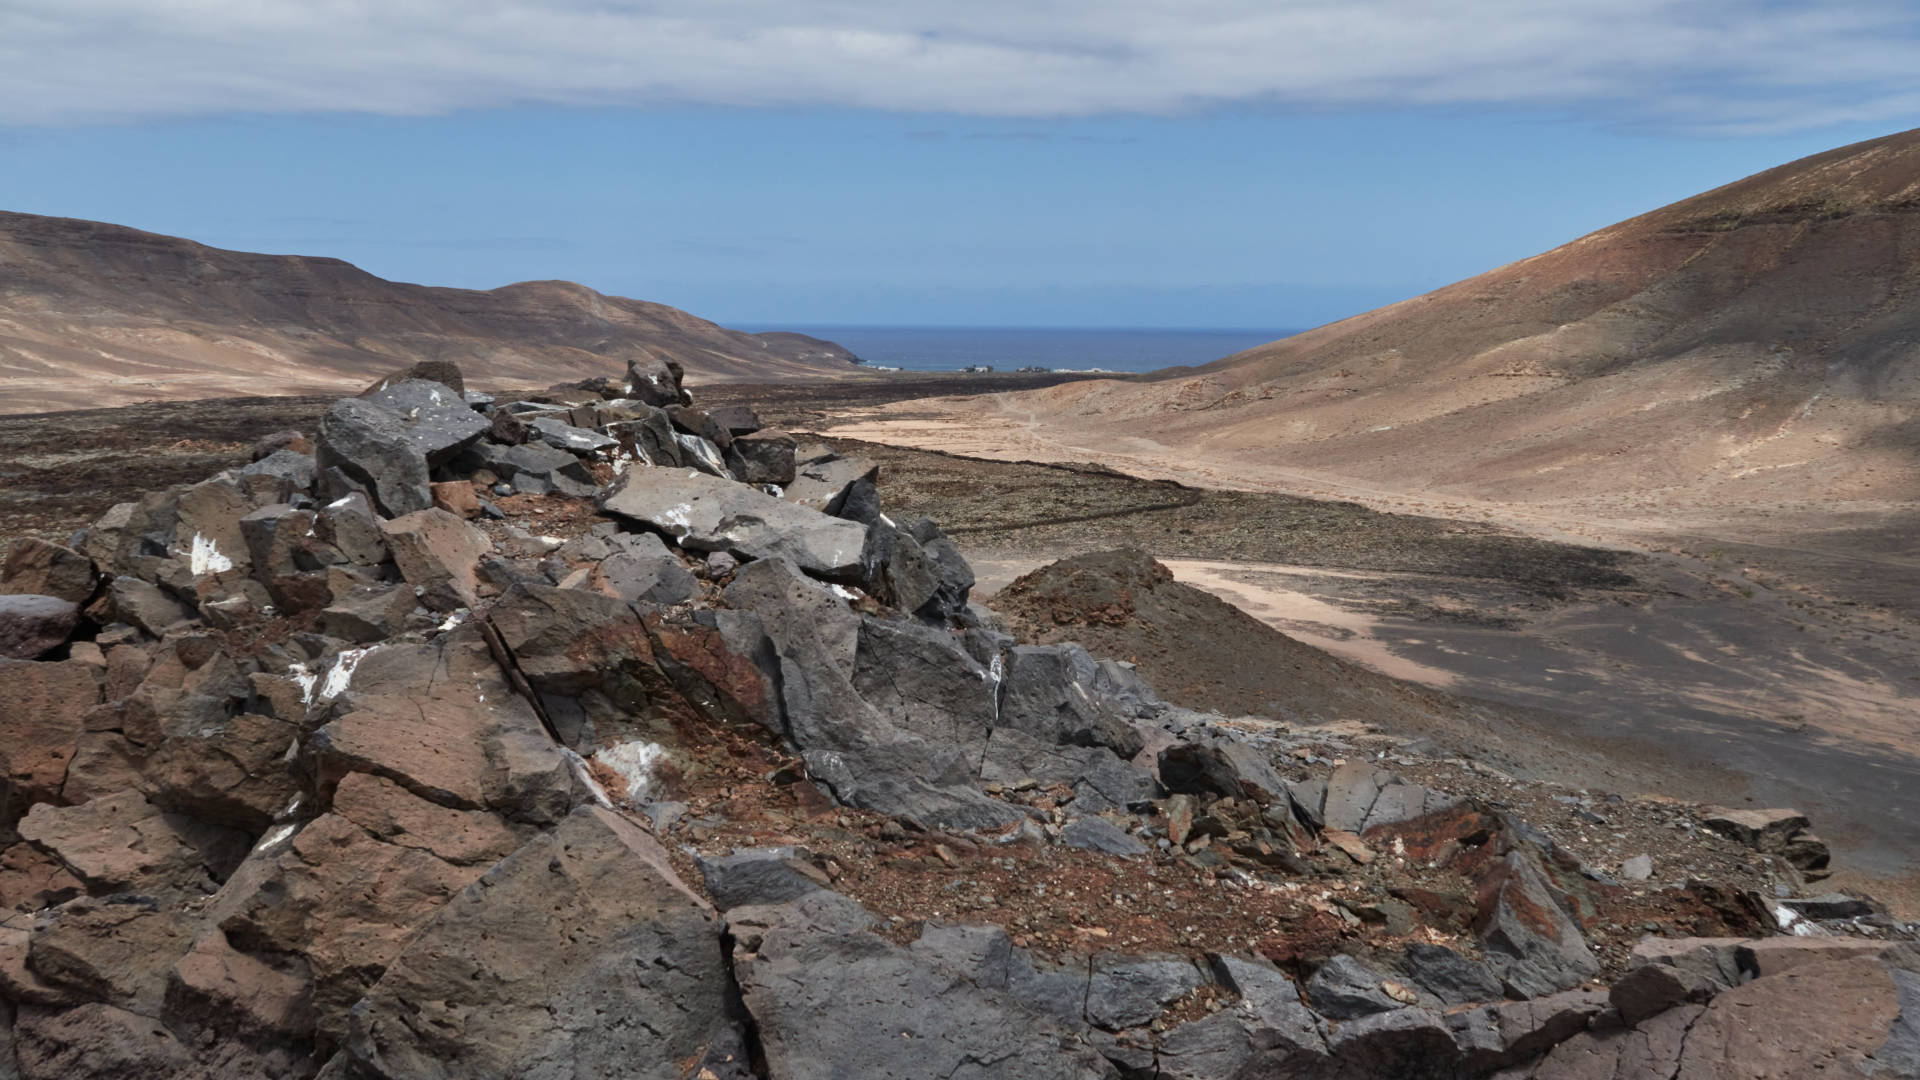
(702,449)
(678,520)
(634,761)
(306,678)
(206,557)
(274,839)
(995,672)
(341,673)
(577,765)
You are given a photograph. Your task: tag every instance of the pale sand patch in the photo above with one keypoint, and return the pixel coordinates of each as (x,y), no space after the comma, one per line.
(1260,590)
(1343,631)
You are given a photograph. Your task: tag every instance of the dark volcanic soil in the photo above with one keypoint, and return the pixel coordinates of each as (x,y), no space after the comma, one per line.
(1015,508)
(60,470)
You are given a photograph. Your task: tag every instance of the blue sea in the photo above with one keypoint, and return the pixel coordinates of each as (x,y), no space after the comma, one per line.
(950,348)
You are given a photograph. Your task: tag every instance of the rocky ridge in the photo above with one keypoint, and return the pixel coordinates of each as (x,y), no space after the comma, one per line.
(599,734)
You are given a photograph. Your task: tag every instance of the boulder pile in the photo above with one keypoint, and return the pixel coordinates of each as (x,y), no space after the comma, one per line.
(595,734)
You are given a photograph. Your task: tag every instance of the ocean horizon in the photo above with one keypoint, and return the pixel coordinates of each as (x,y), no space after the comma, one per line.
(1009,348)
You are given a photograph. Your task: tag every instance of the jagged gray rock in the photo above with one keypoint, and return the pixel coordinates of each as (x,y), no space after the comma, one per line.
(643,571)
(1530,941)
(825,485)
(706,513)
(295,468)
(369,444)
(1099,834)
(1452,978)
(849,744)
(1049,691)
(755,876)
(841,1004)
(1267,1033)
(1346,989)
(436,419)
(762,457)
(574,440)
(541,968)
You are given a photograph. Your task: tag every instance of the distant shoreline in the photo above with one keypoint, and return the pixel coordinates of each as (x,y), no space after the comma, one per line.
(1056,349)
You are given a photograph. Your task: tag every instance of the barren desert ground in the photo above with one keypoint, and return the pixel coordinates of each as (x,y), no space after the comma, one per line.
(1612,655)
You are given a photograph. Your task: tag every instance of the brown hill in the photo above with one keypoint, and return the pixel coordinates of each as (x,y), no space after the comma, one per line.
(1756,344)
(95,314)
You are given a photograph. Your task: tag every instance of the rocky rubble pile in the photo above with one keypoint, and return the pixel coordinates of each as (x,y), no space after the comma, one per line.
(598,735)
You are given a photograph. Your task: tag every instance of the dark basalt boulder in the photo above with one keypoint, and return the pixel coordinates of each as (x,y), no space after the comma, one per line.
(655,380)
(32,626)
(827,485)
(445,372)
(580,954)
(762,457)
(369,444)
(1049,691)
(831,1002)
(437,420)
(705,513)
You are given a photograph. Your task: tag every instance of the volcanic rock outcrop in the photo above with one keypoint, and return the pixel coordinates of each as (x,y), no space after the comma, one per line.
(640,763)
(94,314)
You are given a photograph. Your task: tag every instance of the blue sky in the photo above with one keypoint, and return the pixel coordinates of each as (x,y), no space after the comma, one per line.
(1139,163)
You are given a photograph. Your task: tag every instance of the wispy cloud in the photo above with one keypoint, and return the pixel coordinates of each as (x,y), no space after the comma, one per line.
(1732,65)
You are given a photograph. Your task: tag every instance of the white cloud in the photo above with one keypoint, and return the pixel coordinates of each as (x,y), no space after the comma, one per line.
(1730,64)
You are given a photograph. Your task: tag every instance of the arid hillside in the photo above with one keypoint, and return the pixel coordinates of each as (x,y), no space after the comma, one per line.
(1756,344)
(94,315)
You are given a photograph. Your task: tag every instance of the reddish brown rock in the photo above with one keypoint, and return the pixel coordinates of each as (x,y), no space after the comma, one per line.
(1820,1020)
(456,497)
(1530,940)
(31,879)
(122,841)
(117,952)
(340,898)
(104,763)
(96,1040)
(1774,956)
(218,987)
(231,772)
(507,428)
(1428,836)
(431,747)
(439,555)
(42,706)
(726,671)
(389,813)
(47,569)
